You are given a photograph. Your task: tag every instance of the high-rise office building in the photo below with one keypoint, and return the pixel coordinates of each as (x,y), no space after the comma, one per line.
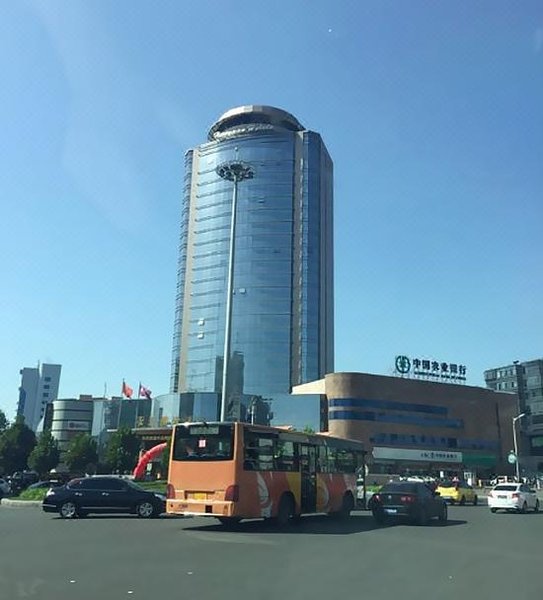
(39,387)
(526,380)
(282,290)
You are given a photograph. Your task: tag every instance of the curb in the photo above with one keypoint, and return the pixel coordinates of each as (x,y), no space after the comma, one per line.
(20,503)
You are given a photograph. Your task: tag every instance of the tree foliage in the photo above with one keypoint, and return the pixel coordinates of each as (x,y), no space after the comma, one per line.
(122,450)
(81,455)
(4,423)
(16,443)
(45,455)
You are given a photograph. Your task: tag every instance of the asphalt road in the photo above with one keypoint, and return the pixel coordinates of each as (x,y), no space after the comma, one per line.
(477,555)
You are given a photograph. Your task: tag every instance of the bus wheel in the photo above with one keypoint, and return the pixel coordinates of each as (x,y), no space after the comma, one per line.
(229,522)
(286,512)
(347,506)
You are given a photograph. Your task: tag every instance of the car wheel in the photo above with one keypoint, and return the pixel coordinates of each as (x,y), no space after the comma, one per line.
(493,510)
(145,510)
(443,515)
(536,507)
(462,501)
(286,511)
(68,510)
(523,508)
(475,500)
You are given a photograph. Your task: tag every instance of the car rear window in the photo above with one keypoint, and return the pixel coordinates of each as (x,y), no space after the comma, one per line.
(506,488)
(402,488)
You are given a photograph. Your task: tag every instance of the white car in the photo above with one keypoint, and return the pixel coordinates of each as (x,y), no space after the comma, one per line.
(5,488)
(513,496)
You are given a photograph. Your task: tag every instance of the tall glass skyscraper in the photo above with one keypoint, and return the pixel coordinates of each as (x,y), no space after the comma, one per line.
(282,303)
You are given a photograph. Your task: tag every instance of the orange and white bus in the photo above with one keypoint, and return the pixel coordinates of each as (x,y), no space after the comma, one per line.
(234,471)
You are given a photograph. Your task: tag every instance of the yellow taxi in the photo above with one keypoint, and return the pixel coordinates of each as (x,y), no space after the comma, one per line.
(457,492)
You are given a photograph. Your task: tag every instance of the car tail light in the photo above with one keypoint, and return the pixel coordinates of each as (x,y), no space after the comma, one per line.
(515,495)
(232,493)
(170,491)
(407,499)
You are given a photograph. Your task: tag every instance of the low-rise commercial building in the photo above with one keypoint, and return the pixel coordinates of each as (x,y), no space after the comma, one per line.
(412,425)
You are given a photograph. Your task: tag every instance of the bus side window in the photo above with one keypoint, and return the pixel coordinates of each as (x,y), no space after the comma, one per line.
(285,456)
(250,457)
(322,462)
(258,453)
(346,461)
(332,460)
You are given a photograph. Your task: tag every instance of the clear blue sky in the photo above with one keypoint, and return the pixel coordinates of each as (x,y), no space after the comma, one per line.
(432,112)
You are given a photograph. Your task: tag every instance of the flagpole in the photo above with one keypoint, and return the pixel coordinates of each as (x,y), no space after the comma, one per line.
(137,407)
(120,407)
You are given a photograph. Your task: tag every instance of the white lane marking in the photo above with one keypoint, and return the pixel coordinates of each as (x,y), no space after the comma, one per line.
(226,538)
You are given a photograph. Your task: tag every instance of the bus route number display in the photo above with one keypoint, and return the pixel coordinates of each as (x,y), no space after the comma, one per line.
(204,430)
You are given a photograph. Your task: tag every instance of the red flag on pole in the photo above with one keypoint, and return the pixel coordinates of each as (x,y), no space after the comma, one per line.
(127,390)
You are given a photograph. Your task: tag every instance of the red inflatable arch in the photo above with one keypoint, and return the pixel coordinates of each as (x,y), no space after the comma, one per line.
(139,471)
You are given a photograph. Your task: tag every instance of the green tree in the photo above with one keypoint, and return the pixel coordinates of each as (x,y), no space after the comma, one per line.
(308,429)
(4,423)
(16,443)
(122,450)
(45,455)
(81,455)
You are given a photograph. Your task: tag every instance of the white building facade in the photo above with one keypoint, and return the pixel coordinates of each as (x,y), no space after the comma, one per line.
(39,387)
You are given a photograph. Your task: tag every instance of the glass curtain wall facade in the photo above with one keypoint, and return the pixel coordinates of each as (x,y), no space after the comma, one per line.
(282,311)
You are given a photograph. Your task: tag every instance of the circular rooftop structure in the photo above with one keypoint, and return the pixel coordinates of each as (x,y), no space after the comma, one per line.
(252,117)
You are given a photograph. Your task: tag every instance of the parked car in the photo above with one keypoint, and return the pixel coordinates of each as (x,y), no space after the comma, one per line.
(457,492)
(503,479)
(413,501)
(20,480)
(40,485)
(82,496)
(513,496)
(5,487)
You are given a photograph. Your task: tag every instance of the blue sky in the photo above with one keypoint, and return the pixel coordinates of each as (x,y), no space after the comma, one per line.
(433,115)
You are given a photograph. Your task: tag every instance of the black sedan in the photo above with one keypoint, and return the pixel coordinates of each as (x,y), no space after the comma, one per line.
(79,497)
(415,502)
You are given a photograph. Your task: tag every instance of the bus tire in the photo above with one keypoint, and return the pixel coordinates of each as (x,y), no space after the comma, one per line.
(347,506)
(286,511)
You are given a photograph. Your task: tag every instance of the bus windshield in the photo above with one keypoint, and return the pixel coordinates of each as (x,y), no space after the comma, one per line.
(202,442)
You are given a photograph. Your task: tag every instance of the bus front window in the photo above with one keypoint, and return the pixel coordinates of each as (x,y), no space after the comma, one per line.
(203,442)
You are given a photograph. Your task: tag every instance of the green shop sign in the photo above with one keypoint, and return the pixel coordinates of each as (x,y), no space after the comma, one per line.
(482,460)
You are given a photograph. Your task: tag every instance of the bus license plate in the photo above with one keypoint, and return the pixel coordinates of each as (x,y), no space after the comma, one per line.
(200,496)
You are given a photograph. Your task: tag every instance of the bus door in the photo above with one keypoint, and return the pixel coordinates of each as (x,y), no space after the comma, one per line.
(308,470)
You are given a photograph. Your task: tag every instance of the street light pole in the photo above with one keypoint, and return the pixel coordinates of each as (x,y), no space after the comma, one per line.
(517,466)
(234,171)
